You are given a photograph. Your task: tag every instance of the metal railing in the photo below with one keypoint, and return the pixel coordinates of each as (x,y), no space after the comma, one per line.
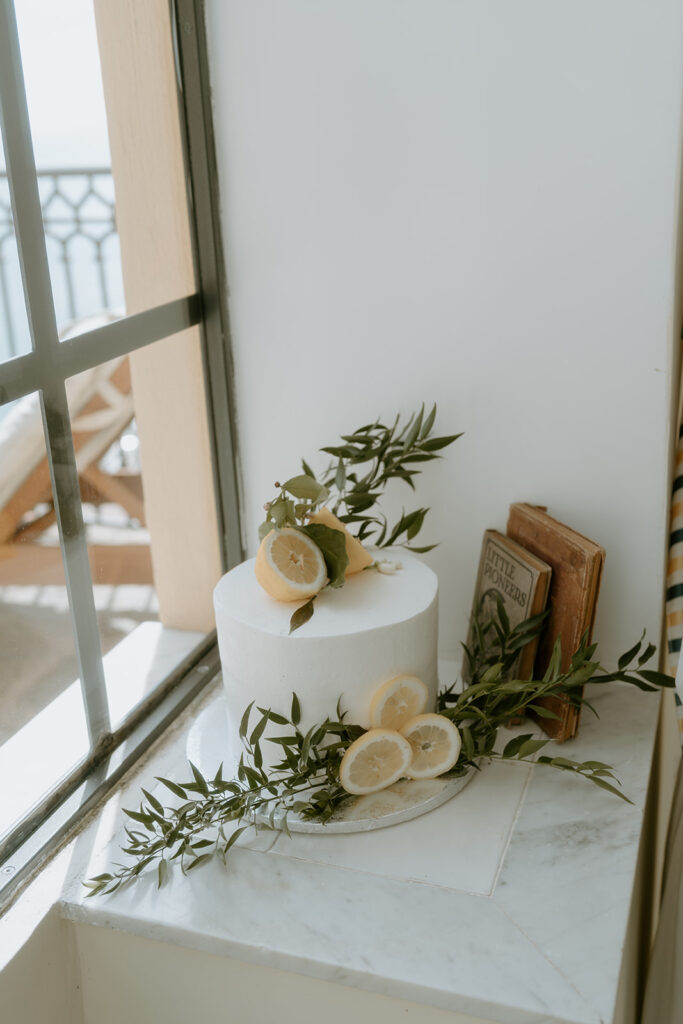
(79,218)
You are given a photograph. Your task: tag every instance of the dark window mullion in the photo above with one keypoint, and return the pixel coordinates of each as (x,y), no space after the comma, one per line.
(195,102)
(67,501)
(28,223)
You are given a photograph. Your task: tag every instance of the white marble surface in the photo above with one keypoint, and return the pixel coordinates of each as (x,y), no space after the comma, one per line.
(510,902)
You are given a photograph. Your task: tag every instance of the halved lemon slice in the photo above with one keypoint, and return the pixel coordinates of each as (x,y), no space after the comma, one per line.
(289,566)
(435,743)
(397,701)
(374,761)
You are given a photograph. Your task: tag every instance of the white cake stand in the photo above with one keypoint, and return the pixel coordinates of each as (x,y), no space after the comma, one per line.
(406,799)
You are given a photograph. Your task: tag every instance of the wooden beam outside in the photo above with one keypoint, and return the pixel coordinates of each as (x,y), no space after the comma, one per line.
(28,565)
(152,215)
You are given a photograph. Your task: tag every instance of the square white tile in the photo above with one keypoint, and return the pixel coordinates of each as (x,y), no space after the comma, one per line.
(460,845)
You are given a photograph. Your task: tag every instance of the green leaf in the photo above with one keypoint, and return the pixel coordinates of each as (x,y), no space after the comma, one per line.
(560,762)
(543,712)
(173,786)
(301,616)
(359,502)
(253,777)
(144,819)
(244,724)
(416,524)
(199,779)
(306,745)
(154,802)
(343,451)
(332,544)
(435,444)
(409,524)
(502,614)
(282,513)
(340,476)
(259,729)
(467,741)
(295,714)
(513,747)
(258,757)
(305,487)
(657,678)
(307,469)
(162,873)
(609,788)
(265,528)
(646,655)
(628,657)
(555,662)
(273,717)
(199,860)
(428,423)
(411,436)
(419,457)
(235,836)
(531,746)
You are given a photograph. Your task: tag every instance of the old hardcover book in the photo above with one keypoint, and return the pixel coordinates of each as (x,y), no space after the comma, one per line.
(521,579)
(577,569)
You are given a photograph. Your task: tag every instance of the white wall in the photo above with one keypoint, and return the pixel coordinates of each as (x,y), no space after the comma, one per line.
(473,202)
(40,983)
(130,980)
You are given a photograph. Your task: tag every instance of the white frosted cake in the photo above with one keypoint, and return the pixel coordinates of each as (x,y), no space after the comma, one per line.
(374,628)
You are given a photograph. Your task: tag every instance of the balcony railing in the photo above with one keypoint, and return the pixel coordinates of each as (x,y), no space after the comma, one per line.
(83,250)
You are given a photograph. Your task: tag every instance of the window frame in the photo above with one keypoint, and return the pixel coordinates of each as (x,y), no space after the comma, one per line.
(45,369)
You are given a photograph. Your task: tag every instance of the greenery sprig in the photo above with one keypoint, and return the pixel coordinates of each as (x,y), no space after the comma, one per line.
(305,780)
(492,699)
(354,481)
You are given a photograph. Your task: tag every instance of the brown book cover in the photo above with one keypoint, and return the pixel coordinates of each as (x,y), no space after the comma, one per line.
(577,568)
(521,579)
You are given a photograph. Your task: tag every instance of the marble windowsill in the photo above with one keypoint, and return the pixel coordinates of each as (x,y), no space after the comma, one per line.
(511,902)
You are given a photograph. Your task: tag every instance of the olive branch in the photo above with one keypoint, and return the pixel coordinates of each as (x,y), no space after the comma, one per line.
(492,699)
(355,480)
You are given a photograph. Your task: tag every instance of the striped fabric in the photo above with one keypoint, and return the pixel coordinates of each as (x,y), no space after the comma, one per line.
(674,579)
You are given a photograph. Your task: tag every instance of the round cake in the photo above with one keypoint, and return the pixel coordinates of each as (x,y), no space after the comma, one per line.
(370,630)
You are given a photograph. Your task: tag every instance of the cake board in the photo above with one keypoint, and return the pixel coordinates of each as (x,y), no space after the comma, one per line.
(405,800)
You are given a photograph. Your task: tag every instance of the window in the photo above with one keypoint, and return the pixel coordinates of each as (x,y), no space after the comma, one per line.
(118,505)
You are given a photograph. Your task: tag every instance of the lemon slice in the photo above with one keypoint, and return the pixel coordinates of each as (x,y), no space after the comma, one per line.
(397,701)
(374,761)
(359,557)
(289,566)
(435,743)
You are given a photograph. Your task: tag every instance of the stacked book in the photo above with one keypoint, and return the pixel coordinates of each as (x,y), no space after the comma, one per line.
(539,564)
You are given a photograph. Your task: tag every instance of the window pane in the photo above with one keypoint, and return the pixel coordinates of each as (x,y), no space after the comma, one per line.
(69,128)
(124,451)
(42,723)
(15,339)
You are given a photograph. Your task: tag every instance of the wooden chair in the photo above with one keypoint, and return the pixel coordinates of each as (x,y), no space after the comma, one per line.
(101,406)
